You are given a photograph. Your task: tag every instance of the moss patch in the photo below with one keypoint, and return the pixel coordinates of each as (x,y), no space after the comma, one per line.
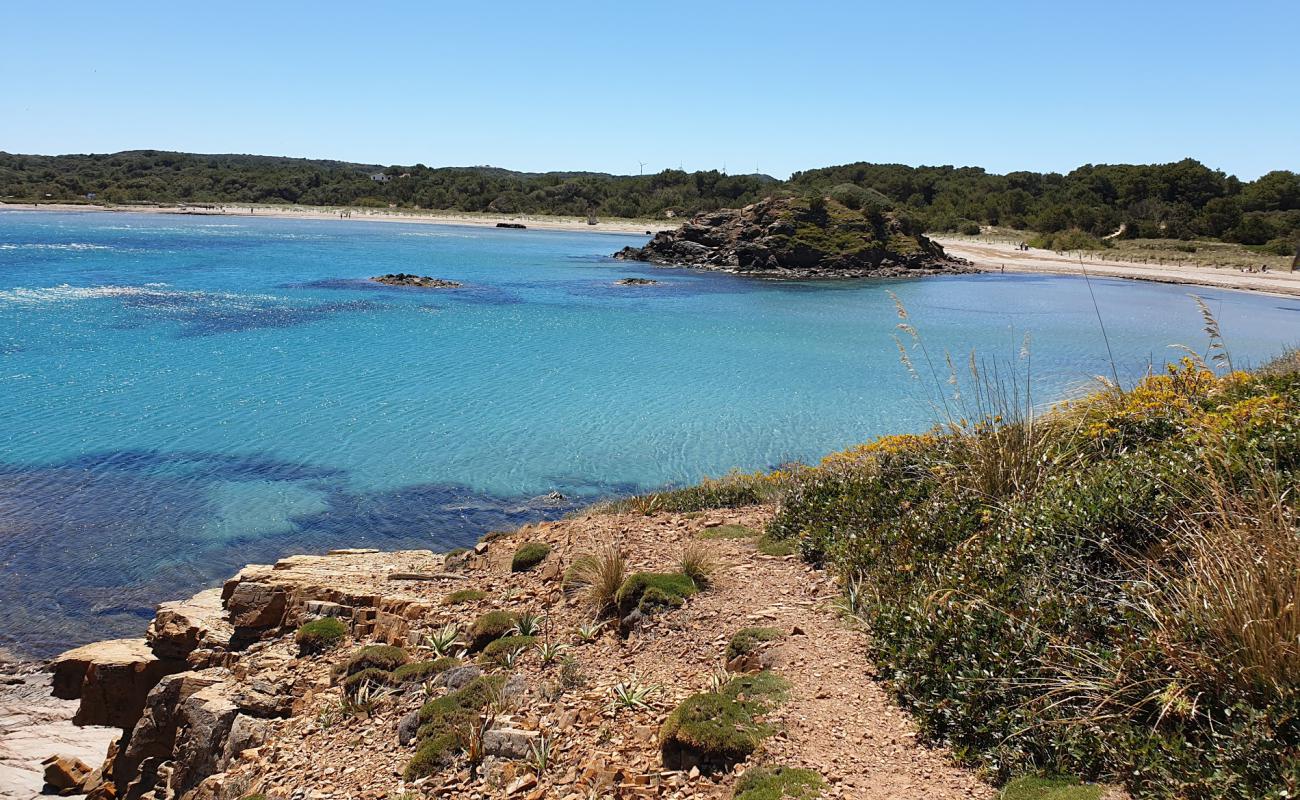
(665,589)
(490,627)
(496,650)
(770,546)
(422,670)
(445,723)
(320,635)
(463,596)
(747,640)
(371,675)
(729,532)
(378,656)
(529,555)
(717,730)
(776,783)
(1034,788)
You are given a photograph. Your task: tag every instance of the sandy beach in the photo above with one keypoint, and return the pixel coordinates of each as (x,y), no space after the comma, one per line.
(997,257)
(604,225)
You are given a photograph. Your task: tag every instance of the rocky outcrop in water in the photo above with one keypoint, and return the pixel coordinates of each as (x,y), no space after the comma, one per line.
(800,238)
(417,281)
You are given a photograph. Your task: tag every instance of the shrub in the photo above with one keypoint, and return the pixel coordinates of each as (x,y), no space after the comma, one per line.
(733,491)
(462,596)
(698,564)
(369,675)
(445,723)
(422,670)
(777,783)
(490,627)
(747,640)
(669,588)
(720,729)
(320,635)
(496,651)
(1125,567)
(383,657)
(1035,788)
(529,555)
(598,577)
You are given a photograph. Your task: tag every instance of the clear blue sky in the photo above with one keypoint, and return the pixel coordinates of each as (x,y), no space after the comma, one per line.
(601,86)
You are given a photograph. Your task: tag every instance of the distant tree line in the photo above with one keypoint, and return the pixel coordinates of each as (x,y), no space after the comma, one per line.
(1182,200)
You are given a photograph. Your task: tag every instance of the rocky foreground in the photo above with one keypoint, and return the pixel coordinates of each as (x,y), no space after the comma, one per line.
(220,699)
(799,238)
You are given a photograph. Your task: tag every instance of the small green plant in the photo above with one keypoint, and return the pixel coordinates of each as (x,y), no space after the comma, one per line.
(632,694)
(370,676)
(571,675)
(589,632)
(422,670)
(490,627)
(320,635)
(747,640)
(529,555)
(527,624)
(507,650)
(779,783)
(549,651)
(383,657)
(463,596)
(364,699)
(721,728)
(649,591)
(1057,788)
(729,532)
(769,546)
(540,754)
(443,640)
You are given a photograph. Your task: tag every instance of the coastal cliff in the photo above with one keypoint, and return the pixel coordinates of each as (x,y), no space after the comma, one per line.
(226,697)
(800,238)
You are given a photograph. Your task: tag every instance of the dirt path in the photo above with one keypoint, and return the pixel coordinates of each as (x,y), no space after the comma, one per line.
(836,720)
(995,256)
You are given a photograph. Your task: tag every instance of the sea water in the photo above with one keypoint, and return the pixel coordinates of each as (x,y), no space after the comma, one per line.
(182,395)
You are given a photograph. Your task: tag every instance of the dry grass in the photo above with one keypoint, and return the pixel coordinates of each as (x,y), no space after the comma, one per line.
(597,576)
(698,563)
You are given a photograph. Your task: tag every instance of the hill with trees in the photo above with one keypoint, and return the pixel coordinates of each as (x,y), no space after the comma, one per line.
(1181,200)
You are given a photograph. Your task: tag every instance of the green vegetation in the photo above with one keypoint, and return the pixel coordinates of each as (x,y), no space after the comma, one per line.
(422,670)
(747,640)
(597,577)
(653,591)
(446,723)
(383,657)
(370,675)
(1108,590)
(320,635)
(490,627)
(729,532)
(1034,788)
(1072,239)
(497,650)
(732,491)
(771,546)
(719,729)
(1179,200)
(777,783)
(462,596)
(529,555)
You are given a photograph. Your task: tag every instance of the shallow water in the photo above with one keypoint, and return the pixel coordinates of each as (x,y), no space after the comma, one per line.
(184,395)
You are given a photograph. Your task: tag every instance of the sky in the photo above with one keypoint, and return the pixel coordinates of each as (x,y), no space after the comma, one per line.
(745,86)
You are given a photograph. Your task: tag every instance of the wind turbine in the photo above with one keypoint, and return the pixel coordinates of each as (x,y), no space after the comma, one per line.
(642,163)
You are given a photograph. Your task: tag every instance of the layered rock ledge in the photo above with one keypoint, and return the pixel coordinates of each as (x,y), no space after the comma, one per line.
(417,281)
(798,238)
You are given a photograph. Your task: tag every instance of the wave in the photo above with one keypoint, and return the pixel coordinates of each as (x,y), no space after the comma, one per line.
(150,291)
(53,246)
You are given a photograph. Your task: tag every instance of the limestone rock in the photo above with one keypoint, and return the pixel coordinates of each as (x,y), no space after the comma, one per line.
(509,743)
(63,773)
(111,679)
(180,627)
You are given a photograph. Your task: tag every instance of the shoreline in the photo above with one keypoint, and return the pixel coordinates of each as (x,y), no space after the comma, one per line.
(357,214)
(996,257)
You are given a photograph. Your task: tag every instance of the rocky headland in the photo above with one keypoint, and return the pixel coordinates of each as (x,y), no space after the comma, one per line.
(417,281)
(798,238)
(606,655)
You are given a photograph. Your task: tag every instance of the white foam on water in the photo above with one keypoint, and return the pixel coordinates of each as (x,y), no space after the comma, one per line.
(67,293)
(53,246)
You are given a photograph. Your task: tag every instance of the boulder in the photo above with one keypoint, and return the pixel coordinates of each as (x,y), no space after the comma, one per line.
(180,627)
(204,722)
(510,744)
(111,679)
(65,774)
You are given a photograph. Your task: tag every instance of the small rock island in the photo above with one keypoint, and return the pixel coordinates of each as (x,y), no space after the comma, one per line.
(801,237)
(636,282)
(417,281)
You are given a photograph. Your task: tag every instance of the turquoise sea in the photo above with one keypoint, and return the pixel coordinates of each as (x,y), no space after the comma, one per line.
(184,395)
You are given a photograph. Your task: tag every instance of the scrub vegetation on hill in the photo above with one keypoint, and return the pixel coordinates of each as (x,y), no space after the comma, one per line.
(1182,200)
(1108,590)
